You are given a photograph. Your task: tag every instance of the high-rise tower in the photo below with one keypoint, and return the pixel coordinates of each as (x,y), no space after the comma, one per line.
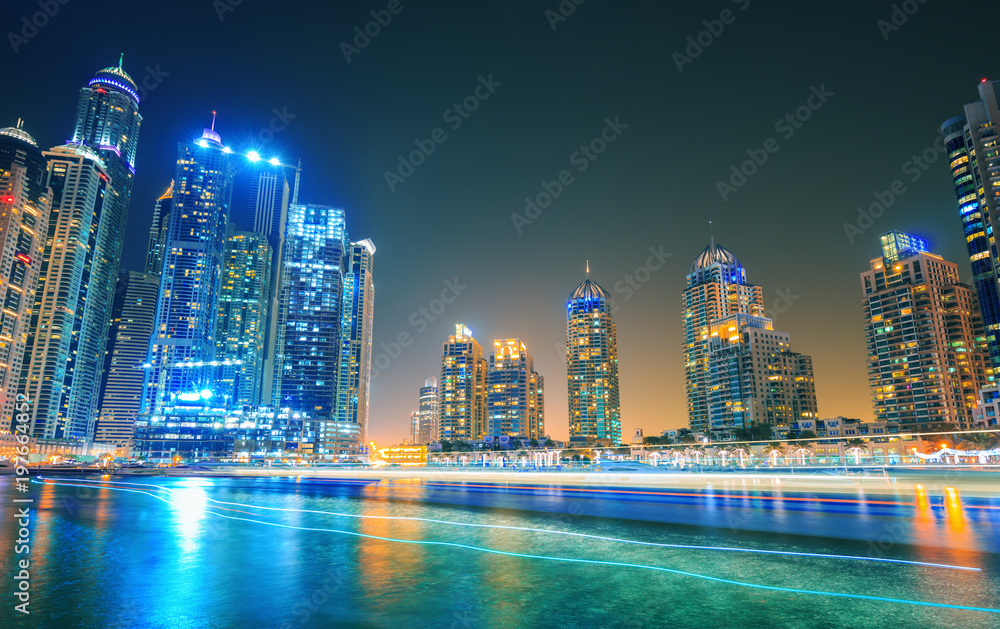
(971,144)
(50,375)
(514,392)
(425,420)
(356,342)
(592,364)
(24,215)
(716,287)
(927,351)
(157,242)
(183,342)
(462,389)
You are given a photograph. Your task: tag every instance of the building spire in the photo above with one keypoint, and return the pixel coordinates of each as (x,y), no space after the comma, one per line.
(121,57)
(213,121)
(711,233)
(588,269)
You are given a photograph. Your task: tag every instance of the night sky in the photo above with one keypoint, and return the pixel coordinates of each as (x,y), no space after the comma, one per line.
(654,186)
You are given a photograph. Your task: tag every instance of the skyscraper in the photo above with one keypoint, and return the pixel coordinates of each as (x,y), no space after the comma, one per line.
(187,307)
(243,310)
(514,392)
(462,392)
(592,364)
(24,216)
(132,318)
(310,327)
(356,343)
(427,417)
(974,155)
(717,287)
(157,242)
(927,351)
(107,121)
(49,376)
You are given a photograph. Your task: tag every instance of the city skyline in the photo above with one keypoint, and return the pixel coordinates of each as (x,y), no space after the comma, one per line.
(633,176)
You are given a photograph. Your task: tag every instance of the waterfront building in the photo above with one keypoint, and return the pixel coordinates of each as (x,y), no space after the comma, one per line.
(133,315)
(182,349)
(243,311)
(357,317)
(717,287)
(462,389)
(25,201)
(157,241)
(986,415)
(971,146)
(424,422)
(78,180)
(592,365)
(927,348)
(515,397)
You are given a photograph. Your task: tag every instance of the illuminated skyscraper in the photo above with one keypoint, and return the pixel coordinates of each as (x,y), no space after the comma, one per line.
(158,232)
(462,392)
(107,121)
(927,351)
(309,319)
(592,364)
(514,392)
(425,427)
(356,342)
(243,311)
(132,318)
(50,376)
(187,310)
(971,145)
(24,216)
(716,288)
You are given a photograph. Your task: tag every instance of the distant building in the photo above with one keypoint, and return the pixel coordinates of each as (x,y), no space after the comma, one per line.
(462,389)
(847,428)
(24,218)
(133,316)
(157,242)
(970,143)
(424,422)
(592,365)
(515,396)
(986,415)
(927,350)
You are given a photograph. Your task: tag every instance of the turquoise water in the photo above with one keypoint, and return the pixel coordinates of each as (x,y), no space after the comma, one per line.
(164,555)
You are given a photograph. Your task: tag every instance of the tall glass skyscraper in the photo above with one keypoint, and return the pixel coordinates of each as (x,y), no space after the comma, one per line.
(107,121)
(243,310)
(309,339)
(971,144)
(462,389)
(157,242)
(717,287)
(514,392)
(356,343)
(132,318)
(424,426)
(592,365)
(24,215)
(183,342)
(49,376)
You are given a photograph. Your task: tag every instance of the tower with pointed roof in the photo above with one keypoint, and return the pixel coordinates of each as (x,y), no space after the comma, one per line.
(158,231)
(592,364)
(717,287)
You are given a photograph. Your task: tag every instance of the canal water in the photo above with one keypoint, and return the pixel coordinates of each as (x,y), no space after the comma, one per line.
(245,553)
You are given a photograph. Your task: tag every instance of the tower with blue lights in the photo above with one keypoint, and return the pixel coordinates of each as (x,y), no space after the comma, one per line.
(592,364)
(182,348)
(356,322)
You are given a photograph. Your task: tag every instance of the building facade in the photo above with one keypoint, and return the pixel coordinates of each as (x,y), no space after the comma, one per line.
(514,392)
(24,214)
(971,145)
(462,388)
(424,422)
(157,242)
(133,316)
(927,349)
(717,287)
(78,180)
(357,318)
(183,344)
(592,365)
